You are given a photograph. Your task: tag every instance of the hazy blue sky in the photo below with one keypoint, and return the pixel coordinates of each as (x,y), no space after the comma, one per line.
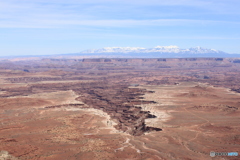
(34,27)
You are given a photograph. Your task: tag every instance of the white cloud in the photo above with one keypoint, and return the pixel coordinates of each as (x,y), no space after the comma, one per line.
(56,22)
(61,13)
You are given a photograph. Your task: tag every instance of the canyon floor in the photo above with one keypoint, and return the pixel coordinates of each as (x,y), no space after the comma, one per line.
(127,109)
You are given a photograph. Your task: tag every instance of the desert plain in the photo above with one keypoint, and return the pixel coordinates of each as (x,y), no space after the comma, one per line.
(127,109)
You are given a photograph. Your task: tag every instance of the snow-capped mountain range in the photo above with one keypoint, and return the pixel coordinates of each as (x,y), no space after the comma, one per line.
(157,49)
(156,52)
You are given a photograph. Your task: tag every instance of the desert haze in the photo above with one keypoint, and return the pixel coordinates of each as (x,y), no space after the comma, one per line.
(119,108)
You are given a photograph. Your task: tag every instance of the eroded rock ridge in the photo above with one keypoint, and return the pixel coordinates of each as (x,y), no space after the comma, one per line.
(118,101)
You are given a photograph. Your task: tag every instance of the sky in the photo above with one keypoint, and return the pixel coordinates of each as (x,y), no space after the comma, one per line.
(46,27)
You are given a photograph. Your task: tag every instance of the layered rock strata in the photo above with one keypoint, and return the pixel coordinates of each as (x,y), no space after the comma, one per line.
(118,102)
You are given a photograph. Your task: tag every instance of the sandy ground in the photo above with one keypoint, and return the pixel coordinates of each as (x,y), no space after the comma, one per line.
(195,118)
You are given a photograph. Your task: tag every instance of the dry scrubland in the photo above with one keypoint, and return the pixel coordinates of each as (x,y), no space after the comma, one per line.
(104,109)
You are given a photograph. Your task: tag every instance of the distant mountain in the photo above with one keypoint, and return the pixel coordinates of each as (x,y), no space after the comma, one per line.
(158,51)
(116,50)
(137,52)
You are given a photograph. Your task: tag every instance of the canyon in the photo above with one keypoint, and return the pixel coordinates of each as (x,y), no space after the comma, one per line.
(119,108)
